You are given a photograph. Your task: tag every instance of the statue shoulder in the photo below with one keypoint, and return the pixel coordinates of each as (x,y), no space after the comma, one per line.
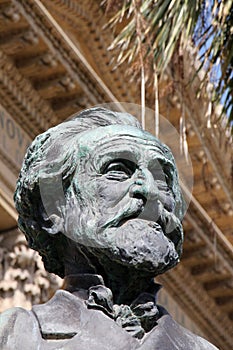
(19,327)
(169,335)
(10,317)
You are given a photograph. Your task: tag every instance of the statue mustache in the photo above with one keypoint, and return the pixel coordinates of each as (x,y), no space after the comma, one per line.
(144,210)
(129,208)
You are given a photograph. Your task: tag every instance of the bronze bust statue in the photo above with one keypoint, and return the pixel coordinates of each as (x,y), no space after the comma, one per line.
(99,199)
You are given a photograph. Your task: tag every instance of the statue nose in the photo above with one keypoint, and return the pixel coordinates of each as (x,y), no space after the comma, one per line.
(144,185)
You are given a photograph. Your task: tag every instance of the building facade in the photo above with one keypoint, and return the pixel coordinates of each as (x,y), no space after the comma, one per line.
(54,61)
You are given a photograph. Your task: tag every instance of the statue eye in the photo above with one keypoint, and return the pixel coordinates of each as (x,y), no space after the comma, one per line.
(119,169)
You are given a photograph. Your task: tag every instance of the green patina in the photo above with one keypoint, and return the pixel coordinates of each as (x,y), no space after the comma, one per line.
(53,159)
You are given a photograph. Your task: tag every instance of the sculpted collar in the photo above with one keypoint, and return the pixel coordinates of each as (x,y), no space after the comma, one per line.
(137,319)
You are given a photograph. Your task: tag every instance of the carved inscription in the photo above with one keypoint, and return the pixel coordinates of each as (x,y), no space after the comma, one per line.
(13,139)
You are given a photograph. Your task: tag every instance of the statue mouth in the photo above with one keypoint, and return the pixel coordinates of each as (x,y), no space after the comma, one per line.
(149,212)
(139,208)
(128,218)
(131,214)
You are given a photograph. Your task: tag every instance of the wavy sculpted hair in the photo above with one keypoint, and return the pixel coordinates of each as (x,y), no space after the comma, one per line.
(57,142)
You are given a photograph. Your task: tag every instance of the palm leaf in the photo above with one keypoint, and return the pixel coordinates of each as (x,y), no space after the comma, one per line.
(157,28)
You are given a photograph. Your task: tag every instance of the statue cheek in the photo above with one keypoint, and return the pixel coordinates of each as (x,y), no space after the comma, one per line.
(167,200)
(111,193)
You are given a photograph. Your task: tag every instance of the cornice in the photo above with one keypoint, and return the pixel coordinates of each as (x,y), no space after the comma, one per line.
(214,140)
(211,145)
(33,113)
(211,234)
(65,50)
(214,324)
(209,257)
(88,17)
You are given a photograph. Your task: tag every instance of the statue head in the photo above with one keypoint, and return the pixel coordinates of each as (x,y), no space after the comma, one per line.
(100,183)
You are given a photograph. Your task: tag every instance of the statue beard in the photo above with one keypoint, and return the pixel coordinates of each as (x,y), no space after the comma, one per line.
(141,245)
(128,238)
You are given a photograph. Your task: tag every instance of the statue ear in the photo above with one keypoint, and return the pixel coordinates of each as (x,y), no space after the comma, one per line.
(58,224)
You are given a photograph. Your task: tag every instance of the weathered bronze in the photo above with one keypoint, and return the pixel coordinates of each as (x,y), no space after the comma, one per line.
(99,199)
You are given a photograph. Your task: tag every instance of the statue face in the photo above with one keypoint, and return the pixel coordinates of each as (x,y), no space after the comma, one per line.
(122,199)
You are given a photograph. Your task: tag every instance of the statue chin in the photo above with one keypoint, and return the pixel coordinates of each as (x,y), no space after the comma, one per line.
(142,245)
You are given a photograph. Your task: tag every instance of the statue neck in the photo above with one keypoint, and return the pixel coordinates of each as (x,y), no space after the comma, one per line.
(126,284)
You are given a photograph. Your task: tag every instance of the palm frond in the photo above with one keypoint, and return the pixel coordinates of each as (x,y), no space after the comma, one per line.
(157,28)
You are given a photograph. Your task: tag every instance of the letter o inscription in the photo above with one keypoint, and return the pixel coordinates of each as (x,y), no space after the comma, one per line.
(10,129)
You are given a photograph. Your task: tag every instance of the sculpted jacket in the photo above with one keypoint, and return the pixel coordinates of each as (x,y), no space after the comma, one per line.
(65,322)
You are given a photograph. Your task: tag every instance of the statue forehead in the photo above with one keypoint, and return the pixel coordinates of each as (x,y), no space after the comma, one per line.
(92,139)
(102,144)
